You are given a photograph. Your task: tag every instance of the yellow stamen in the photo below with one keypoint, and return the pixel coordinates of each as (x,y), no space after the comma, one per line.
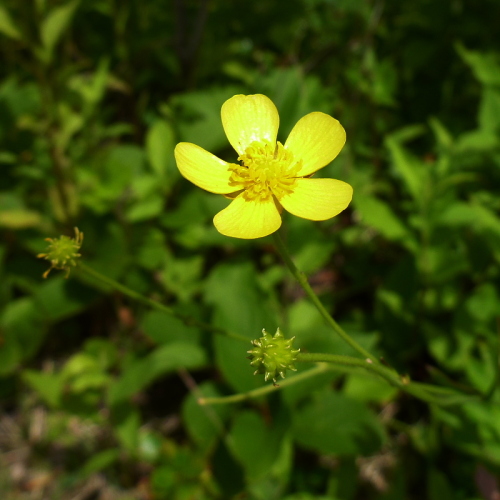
(267,170)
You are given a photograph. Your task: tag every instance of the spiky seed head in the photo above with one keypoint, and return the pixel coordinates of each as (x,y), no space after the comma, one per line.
(273,355)
(62,252)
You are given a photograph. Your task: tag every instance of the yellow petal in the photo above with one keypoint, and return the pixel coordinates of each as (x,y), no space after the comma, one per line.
(203,168)
(318,199)
(248,219)
(249,118)
(316,139)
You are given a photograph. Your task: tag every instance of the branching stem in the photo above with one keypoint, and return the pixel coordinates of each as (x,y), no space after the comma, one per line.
(187,320)
(302,279)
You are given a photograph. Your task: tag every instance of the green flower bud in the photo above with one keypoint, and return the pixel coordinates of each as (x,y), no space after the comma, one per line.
(62,252)
(273,355)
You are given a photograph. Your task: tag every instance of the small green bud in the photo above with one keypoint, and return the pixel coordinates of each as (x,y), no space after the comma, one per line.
(62,252)
(273,356)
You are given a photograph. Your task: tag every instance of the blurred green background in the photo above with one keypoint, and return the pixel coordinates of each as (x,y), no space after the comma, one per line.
(98,393)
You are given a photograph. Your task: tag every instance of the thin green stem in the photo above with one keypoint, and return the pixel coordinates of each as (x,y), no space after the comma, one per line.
(266,389)
(302,279)
(187,320)
(431,394)
(336,359)
(437,395)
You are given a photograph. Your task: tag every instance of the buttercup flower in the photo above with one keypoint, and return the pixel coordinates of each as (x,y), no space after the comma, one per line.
(271,176)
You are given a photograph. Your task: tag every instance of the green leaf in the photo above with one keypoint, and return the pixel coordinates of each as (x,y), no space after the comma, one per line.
(203,423)
(489,110)
(49,386)
(159,147)
(199,121)
(149,445)
(11,352)
(7,25)
(457,214)
(335,424)
(474,215)
(19,219)
(59,298)
(313,335)
(145,209)
(110,248)
(152,251)
(163,328)
(126,422)
(92,90)
(99,462)
(366,388)
(54,26)
(477,141)
(104,351)
(182,276)
(485,66)
(441,133)
(379,215)
(295,94)
(192,210)
(438,486)
(483,303)
(255,444)
(22,330)
(239,306)
(140,373)
(123,164)
(313,255)
(409,167)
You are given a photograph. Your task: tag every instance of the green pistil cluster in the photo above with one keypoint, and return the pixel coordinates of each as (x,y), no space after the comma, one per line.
(62,252)
(273,356)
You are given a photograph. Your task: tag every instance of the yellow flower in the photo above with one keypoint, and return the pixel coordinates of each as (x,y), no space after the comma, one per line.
(271,176)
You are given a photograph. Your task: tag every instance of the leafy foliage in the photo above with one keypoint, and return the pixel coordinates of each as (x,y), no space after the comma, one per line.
(99,393)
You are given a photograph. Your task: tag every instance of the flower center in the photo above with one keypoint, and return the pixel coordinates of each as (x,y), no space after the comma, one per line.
(266,170)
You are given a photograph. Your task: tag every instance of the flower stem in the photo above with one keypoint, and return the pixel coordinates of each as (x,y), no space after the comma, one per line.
(431,394)
(187,320)
(302,279)
(336,359)
(261,391)
(325,362)
(425,392)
